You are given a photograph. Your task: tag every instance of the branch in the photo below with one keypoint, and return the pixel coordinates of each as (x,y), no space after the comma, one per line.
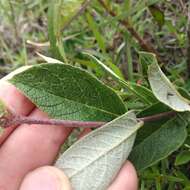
(157,116)
(144,45)
(7,121)
(18,120)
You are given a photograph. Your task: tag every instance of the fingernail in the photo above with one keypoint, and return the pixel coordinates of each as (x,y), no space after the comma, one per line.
(46,178)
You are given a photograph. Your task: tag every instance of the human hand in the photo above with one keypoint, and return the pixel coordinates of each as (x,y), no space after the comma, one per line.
(27,152)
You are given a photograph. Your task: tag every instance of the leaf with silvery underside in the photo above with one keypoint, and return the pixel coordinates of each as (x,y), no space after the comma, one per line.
(141,92)
(159,144)
(93,161)
(164,90)
(68,92)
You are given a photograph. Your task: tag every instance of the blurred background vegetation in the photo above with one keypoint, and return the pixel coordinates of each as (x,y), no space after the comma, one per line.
(114,31)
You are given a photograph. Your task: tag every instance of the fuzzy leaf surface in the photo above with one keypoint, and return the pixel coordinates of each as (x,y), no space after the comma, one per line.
(69,93)
(94,161)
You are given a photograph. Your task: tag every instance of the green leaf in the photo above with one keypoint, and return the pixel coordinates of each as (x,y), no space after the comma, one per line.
(150,127)
(145,59)
(68,92)
(164,90)
(184,92)
(136,8)
(60,14)
(182,158)
(154,109)
(63,13)
(94,161)
(104,67)
(141,92)
(157,14)
(159,144)
(100,65)
(51,29)
(67,10)
(94,27)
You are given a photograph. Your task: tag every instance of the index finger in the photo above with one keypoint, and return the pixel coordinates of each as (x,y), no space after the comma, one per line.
(15,102)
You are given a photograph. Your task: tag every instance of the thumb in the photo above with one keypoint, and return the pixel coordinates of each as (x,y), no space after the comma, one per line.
(47,178)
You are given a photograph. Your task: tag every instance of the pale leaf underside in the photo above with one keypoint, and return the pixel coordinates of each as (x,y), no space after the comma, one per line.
(164,90)
(93,161)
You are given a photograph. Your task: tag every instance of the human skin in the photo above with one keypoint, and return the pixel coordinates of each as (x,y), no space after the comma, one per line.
(27,152)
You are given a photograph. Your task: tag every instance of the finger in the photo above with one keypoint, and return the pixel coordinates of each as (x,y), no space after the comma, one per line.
(15,102)
(47,178)
(126,179)
(29,147)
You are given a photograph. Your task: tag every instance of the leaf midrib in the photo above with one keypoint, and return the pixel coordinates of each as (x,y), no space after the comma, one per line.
(138,125)
(86,105)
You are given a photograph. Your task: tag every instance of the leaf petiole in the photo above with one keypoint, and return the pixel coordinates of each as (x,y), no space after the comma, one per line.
(18,120)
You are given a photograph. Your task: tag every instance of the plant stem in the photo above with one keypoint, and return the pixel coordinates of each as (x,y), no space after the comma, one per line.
(157,116)
(18,120)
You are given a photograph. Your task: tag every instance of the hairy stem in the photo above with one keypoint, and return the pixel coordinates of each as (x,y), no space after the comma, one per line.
(18,120)
(157,116)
